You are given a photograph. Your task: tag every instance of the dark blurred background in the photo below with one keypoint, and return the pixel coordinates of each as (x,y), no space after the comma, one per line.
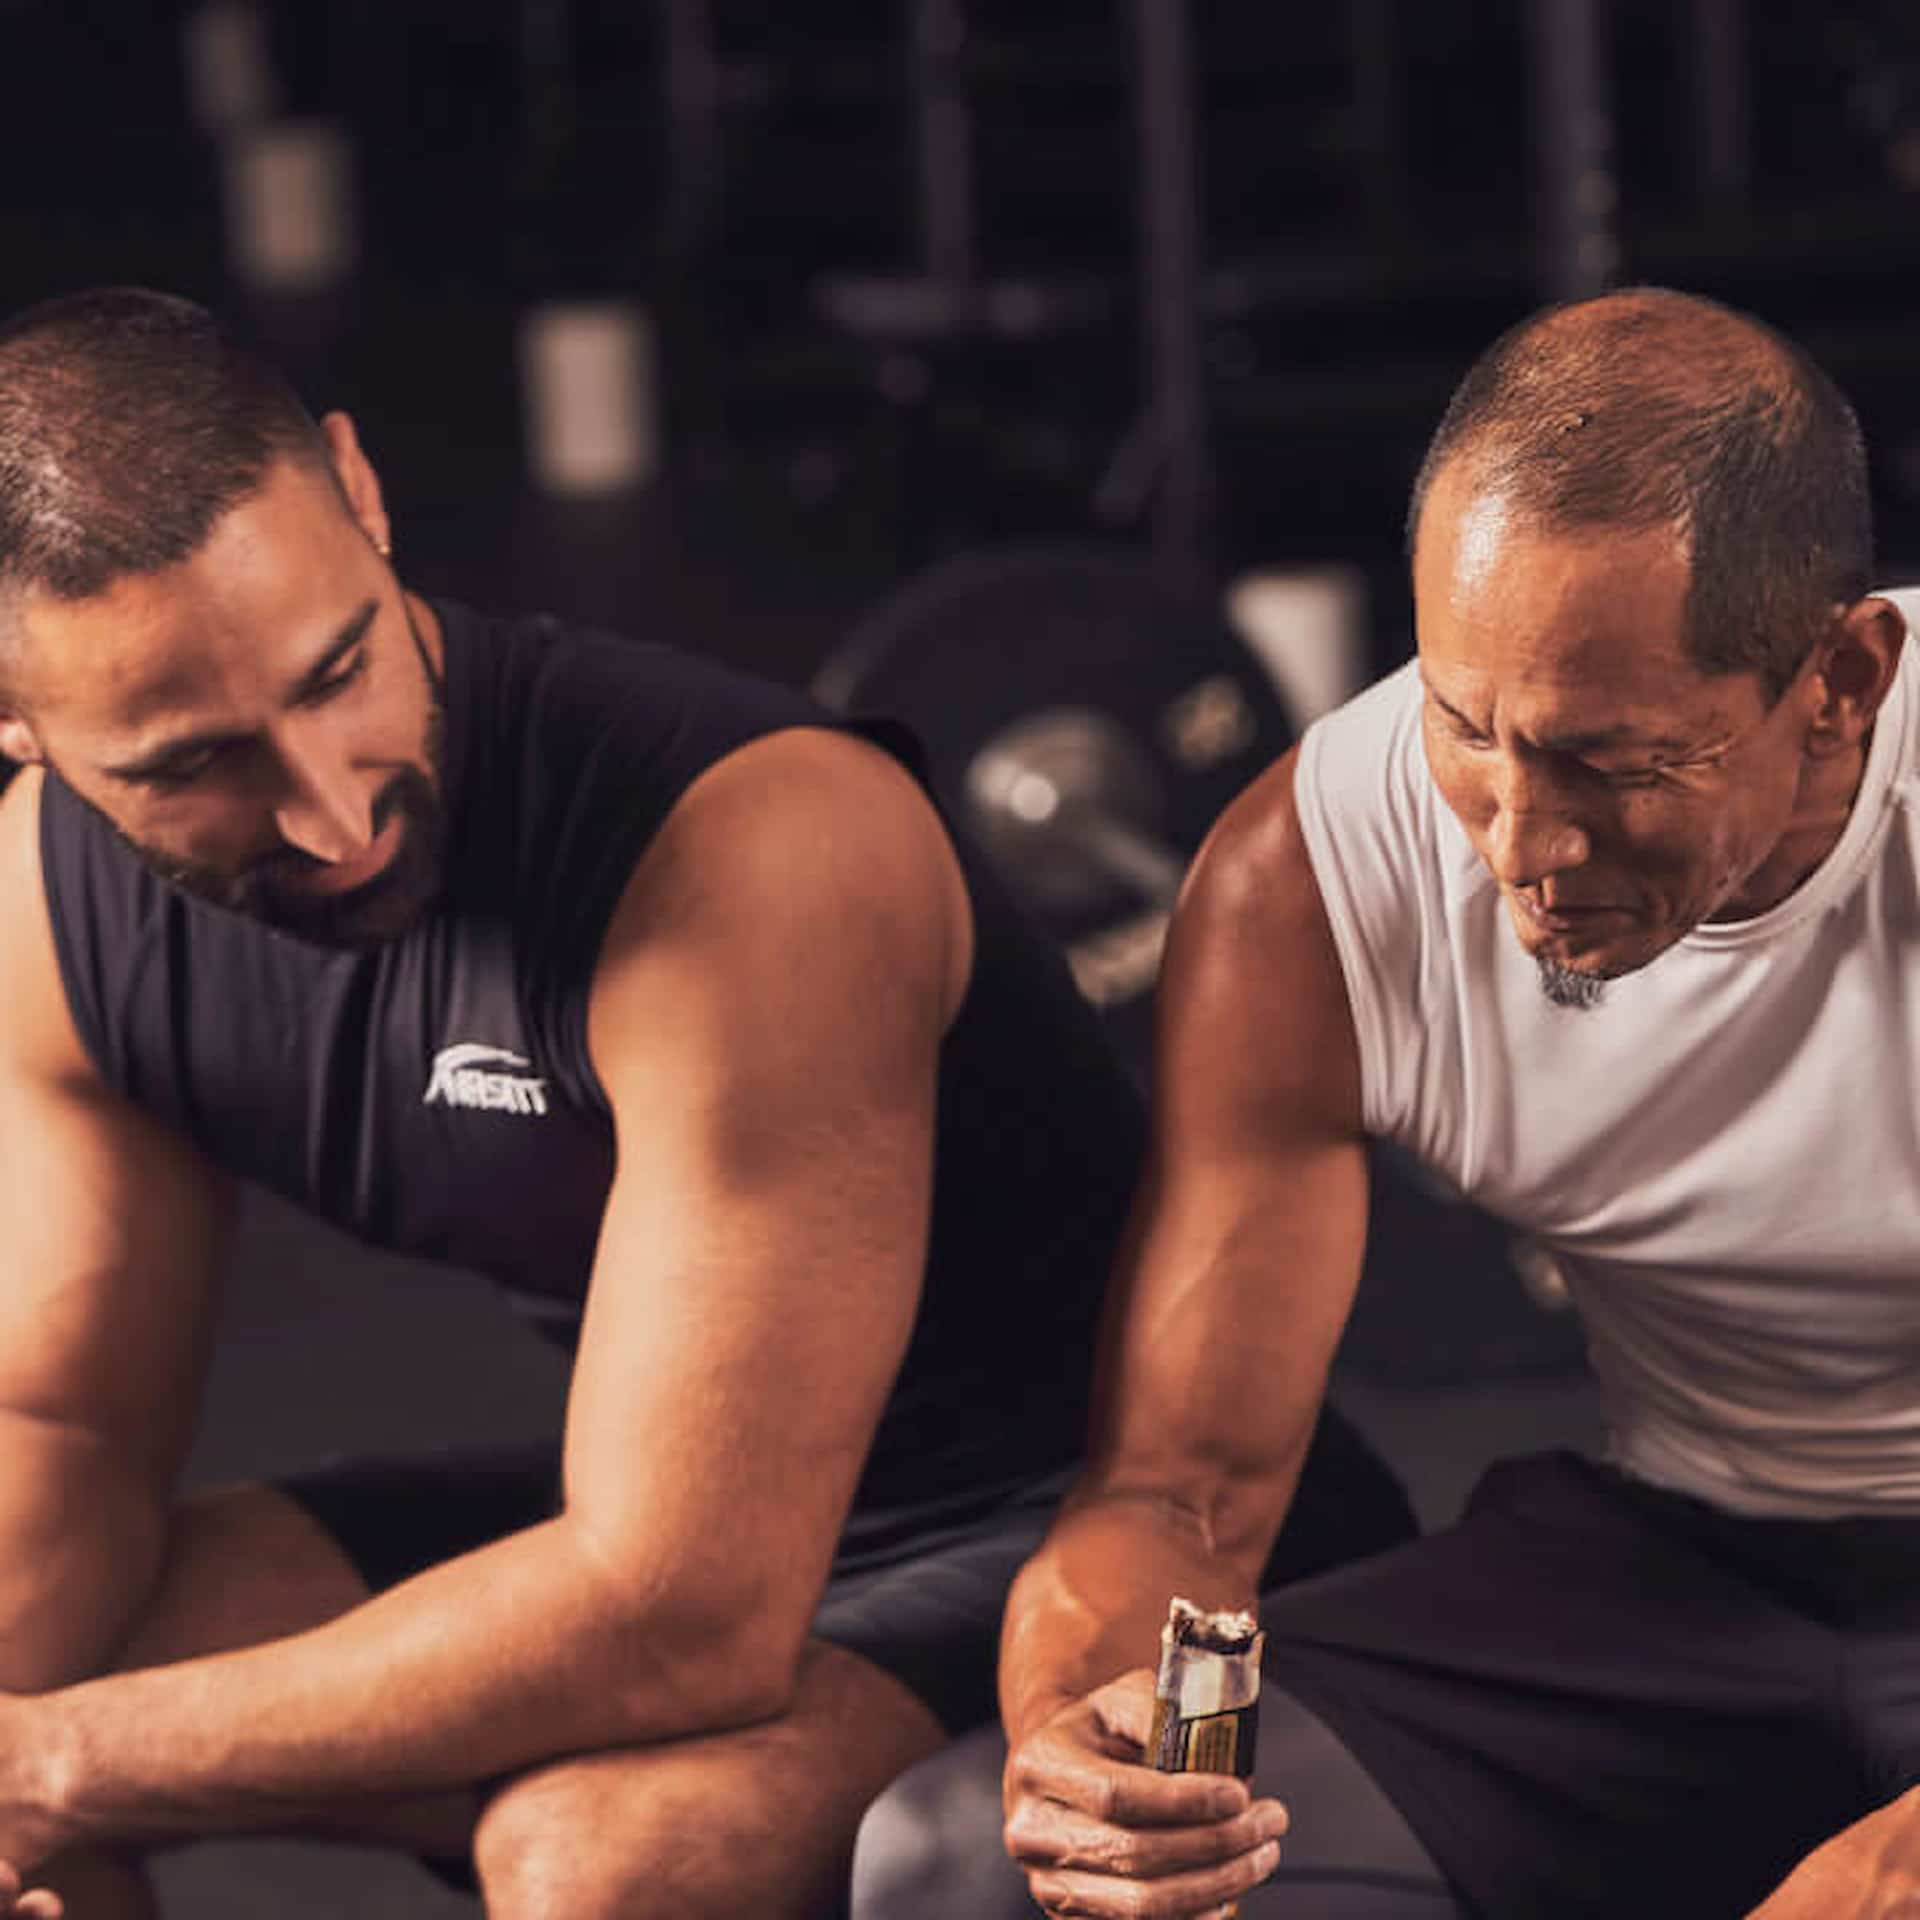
(1125,318)
(895,257)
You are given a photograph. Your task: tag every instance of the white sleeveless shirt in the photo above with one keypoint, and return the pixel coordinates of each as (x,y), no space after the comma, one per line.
(1723,1155)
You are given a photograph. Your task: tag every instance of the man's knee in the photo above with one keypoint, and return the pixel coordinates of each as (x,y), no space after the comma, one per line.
(540,1854)
(242,1564)
(586,1840)
(930,1848)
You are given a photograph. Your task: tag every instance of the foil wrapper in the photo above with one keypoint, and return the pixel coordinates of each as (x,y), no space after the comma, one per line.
(1206,1701)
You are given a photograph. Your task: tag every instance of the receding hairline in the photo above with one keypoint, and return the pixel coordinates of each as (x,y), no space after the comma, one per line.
(1708,356)
(1473,483)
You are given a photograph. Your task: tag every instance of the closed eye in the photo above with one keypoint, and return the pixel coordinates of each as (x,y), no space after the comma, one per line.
(1461,727)
(170,776)
(336,682)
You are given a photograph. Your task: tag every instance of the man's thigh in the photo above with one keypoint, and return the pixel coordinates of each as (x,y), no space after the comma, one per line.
(1578,1710)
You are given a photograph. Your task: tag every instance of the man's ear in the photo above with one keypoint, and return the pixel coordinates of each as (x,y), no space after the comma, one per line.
(358,482)
(1862,656)
(18,740)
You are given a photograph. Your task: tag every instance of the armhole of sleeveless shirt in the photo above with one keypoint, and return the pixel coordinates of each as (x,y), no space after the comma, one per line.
(1330,877)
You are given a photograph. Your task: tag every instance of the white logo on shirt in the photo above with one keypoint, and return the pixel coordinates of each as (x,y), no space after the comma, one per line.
(468,1076)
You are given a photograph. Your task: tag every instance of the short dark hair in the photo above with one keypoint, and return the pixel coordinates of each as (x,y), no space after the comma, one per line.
(1649,408)
(130,422)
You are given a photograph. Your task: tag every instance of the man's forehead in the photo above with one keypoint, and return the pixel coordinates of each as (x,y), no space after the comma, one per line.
(129,651)
(260,591)
(1493,584)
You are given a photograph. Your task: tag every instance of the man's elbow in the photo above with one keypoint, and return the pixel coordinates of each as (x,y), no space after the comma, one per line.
(707,1658)
(717,1681)
(749,1672)
(82,1544)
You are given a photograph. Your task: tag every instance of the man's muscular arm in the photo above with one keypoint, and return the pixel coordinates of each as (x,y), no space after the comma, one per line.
(112,1233)
(1227,1302)
(1868,1871)
(766,1020)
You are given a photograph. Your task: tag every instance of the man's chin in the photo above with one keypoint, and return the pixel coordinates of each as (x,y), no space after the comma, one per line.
(1576,973)
(383,909)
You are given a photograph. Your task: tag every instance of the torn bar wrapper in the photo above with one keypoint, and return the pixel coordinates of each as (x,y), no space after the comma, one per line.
(1206,1704)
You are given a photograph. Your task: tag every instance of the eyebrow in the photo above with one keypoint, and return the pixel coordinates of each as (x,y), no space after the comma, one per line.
(156,759)
(1594,739)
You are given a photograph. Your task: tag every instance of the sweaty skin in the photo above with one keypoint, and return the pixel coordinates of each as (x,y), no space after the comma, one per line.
(1619,797)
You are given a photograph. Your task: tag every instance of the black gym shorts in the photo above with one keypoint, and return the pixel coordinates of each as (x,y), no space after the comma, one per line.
(1595,1698)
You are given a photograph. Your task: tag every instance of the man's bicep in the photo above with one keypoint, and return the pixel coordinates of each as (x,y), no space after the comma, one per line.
(768,1028)
(112,1225)
(737,1351)
(113,1243)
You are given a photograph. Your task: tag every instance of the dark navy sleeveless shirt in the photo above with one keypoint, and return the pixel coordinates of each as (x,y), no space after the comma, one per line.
(433,1095)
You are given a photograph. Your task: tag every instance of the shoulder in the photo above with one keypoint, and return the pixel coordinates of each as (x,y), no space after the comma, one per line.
(1252,885)
(1254,1002)
(815,847)
(39,1031)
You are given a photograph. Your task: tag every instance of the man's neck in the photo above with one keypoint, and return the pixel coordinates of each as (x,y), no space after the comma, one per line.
(1820,816)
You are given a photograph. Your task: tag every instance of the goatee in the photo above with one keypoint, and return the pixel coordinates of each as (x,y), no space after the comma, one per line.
(1566,987)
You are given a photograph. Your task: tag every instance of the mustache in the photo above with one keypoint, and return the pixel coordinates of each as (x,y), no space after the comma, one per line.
(282,865)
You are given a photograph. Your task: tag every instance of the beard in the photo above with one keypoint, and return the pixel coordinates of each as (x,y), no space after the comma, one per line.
(270,889)
(1567,987)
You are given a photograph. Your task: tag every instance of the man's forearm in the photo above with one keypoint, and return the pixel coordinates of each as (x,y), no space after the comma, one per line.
(480,1667)
(1868,1871)
(82,1538)
(1091,1603)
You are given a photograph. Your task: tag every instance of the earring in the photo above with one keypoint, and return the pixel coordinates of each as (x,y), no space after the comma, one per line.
(384,548)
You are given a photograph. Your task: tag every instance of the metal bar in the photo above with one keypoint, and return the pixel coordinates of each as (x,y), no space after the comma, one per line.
(1722,105)
(1170,265)
(696,176)
(549,100)
(1576,190)
(942,136)
(1379,110)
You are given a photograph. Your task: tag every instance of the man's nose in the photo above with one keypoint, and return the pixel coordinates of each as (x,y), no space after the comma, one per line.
(1532,835)
(327,809)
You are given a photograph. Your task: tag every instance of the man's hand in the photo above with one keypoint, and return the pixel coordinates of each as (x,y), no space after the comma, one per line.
(1869,1871)
(34,1903)
(1100,1834)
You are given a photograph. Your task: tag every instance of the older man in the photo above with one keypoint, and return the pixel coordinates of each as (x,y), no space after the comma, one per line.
(1607,908)
(643,988)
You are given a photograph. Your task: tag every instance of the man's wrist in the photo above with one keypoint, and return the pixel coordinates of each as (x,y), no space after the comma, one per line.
(1032,1710)
(46,1771)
